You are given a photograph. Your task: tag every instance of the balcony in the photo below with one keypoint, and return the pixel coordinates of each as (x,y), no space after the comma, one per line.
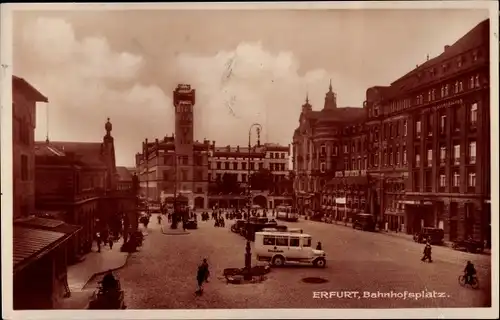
(472,160)
(456,161)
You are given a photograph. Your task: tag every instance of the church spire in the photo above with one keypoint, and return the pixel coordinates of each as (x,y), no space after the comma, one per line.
(330,98)
(330,85)
(307,97)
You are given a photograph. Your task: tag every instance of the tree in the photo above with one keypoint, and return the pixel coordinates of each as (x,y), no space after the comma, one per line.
(228,184)
(262,180)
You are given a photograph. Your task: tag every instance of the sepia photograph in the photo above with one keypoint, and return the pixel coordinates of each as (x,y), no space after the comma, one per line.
(265,160)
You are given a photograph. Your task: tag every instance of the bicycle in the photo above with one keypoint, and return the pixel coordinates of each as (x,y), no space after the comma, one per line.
(474,282)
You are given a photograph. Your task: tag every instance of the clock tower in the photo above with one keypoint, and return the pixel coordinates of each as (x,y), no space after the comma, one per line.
(184,100)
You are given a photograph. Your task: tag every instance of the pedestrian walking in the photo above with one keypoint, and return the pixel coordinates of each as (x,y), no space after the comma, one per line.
(202,276)
(110,242)
(98,240)
(427,253)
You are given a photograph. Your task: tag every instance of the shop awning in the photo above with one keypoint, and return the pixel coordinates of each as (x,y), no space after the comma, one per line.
(30,244)
(49,224)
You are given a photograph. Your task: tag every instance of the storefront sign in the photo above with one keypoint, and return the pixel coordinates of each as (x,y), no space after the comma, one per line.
(340,200)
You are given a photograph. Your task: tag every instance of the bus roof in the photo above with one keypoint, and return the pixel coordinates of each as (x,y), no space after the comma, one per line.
(281,233)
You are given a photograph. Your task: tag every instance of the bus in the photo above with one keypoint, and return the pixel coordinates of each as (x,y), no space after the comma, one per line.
(287,213)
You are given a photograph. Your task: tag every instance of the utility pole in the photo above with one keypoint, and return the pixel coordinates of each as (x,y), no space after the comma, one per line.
(248,253)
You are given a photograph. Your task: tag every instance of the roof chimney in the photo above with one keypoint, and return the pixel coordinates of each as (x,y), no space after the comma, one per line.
(446,47)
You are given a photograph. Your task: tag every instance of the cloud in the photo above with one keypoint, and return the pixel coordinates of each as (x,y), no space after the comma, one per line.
(86,82)
(250,84)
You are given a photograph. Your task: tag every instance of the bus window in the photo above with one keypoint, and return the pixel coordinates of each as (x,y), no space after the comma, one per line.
(282,241)
(294,242)
(269,241)
(307,242)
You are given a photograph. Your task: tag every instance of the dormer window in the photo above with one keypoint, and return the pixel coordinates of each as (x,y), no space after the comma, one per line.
(445,67)
(475,56)
(432,71)
(459,62)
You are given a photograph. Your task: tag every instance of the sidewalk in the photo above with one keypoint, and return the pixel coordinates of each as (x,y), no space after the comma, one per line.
(398,234)
(95,263)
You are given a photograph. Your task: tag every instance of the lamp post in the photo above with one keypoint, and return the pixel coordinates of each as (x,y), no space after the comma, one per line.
(248,253)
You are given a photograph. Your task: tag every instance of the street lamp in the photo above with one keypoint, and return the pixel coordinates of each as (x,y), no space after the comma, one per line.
(248,253)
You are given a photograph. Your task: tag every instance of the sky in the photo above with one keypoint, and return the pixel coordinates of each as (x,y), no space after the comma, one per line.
(125,64)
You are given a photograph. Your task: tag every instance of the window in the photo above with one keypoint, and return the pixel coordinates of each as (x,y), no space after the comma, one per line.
(226,165)
(335,150)
(24,168)
(429,97)
(442,180)
(460,86)
(261,165)
(323,149)
(477,81)
(456,87)
(474,56)
(417,160)
(446,88)
(405,128)
(185,160)
(433,96)
(404,156)
(307,242)
(442,91)
(456,154)
(397,158)
(235,165)
(218,165)
(345,148)
(472,152)
(184,175)
(459,62)
(323,167)
(418,127)
(282,241)
(294,242)
(442,155)
(252,166)
(243,178)
(473,114)
(243,166)
(269,241)
(429,124)
(456,179)
(390,158)
(471,82)
(271,155)
(472,179)
(442,124)
(429,157)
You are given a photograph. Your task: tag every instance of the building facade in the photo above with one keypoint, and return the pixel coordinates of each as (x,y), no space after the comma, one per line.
(39,245)
(24,100)
(327,145)
(422,144)
(181,168)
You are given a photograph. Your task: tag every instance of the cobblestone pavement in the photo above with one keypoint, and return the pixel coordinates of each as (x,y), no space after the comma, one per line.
(162,275)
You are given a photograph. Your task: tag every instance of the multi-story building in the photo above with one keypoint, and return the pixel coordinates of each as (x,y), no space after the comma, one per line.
(449,138)
(323,149)
(39,244)
(79,180)
(242,163)
(24,100)
(177,166)
(424,143)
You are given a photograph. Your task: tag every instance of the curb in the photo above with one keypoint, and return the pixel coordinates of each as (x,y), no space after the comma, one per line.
(103,272)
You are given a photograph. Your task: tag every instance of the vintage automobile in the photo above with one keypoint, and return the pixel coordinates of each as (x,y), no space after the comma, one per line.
(191,224)
(433,235)
(468,245)
(251,228)
(238,224)
(101,300)
(364,221)
(281,248)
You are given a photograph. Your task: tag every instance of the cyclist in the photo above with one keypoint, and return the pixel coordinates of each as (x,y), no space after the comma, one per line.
(469,272)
